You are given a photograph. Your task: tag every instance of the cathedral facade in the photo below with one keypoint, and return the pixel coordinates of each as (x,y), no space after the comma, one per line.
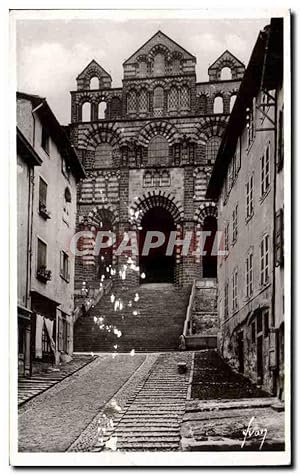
(148,149)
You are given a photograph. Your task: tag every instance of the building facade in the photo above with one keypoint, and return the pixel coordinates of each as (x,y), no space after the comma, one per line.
(148,149)
(247,181)
(46,225)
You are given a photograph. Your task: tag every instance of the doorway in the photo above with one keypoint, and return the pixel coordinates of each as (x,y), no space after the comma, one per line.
(156,266)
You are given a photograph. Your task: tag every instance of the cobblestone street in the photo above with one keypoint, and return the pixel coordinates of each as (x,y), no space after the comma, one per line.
(142,402)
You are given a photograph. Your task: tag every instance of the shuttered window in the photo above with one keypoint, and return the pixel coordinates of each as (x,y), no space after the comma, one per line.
(41,254)
(279,238)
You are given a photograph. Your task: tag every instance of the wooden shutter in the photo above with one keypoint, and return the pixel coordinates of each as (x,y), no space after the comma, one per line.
(279,238)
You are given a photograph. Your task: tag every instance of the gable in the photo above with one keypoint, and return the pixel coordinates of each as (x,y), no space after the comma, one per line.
(166,44)
(226,57)
(93,68)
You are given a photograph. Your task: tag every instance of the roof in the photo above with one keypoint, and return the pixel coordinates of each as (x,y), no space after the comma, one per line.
(25,149)
(57,131)
(159,33)
(97,65)
(226,52)
(254,78)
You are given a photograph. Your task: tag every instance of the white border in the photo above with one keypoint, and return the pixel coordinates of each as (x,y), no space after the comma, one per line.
(153,458)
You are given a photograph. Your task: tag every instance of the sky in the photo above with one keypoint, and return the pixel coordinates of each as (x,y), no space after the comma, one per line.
(50,53)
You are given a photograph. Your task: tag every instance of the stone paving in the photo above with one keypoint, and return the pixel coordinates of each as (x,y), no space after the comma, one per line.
(52,421)
(223,405)
(142,403)
(30,387)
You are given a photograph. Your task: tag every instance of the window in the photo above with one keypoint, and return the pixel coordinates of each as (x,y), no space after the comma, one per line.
(94,83)
(41,254)
(159,65)
(65,168)
(43,194)
(226,74)
(86,112)
(184,98)
(102,110)
(64,266)
(45,139)
(264,260)
(131,102)
(67,201)
(43,274)
(235,224)
(218,105)
(249,275)
(158,98)
(173,99)
(226,299)
(266,323)
(103,155)
(46,347)
(280,141)
(226,237)
(234,290)
(249,198)
(212,147)
(279,237)
(158,151)
(143,101)
(265,171)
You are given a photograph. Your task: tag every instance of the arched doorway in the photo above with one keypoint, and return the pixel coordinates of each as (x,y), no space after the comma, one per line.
(157,267)
(209,260)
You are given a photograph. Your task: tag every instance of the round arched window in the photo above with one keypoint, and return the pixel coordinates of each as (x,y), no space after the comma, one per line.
(158,151)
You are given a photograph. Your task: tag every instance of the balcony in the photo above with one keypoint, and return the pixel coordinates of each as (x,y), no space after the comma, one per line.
(43,274)
(43,211)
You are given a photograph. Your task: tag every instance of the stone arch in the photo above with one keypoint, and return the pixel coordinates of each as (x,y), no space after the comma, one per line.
(209,127)
(208,208)
(159,48)
(153,199)
(159,127)
(99,133)
(102,212)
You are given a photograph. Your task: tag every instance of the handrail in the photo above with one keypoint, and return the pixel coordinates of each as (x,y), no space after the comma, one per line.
(91,301)
(186,326)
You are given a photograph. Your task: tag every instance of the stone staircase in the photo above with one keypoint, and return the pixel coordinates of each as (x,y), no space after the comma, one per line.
(152,323)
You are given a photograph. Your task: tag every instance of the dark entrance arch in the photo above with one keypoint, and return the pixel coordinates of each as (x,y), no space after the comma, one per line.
(157,266)
(210,261)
